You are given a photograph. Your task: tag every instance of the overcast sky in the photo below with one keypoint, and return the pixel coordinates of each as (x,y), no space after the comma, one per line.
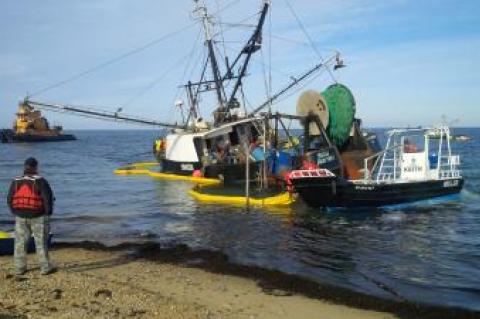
(409,62)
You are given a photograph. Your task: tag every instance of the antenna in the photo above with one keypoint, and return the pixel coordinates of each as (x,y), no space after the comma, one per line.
(338,62)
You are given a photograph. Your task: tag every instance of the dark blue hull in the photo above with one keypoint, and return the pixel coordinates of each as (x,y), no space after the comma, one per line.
(335,192)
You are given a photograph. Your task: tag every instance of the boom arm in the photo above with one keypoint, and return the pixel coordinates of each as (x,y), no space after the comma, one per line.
(295,82)
(99,114)
(252,46)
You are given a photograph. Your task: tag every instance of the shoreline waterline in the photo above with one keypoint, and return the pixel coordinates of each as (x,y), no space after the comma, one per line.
(271,282)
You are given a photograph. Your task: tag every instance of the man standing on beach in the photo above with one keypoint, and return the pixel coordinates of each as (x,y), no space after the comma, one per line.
(30,199)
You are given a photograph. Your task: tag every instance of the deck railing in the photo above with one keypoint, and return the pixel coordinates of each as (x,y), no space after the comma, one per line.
(385,164)
(448,166)
(455,173)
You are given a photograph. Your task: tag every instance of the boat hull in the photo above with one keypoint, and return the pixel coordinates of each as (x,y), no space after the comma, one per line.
(8,136)
(335,192)
(230,173)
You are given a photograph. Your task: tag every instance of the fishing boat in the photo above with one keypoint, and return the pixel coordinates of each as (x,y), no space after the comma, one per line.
(220,147)
(412,167)
(30,126)
(333,162)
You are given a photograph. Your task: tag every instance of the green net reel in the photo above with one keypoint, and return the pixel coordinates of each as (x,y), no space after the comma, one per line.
(341,107)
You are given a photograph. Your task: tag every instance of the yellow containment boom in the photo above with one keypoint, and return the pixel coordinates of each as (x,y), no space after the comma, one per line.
(282,199)
(4,235)
(144,164)
(140,169)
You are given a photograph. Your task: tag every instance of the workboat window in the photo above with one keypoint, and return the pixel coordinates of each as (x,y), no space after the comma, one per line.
(413,144)
(433,153)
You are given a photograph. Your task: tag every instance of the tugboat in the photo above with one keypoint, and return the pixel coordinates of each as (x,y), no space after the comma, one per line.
(412,167)
(31,126)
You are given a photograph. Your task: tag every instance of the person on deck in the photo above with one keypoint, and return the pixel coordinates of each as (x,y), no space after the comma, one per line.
(30,199)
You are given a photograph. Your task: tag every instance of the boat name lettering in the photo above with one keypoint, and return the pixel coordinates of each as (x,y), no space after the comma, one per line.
(324,157)
(413,168)
(364,188)
(451,183)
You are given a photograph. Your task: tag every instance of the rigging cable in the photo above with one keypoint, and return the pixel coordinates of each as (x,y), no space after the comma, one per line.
(203,57)
(124,55)
(152,84)
(298,89)
(162,76)
(287,40)
(277,71)
(113,60)
(230,26)
(310,40)
(265,76)
(270,79)
(221,29)
(200,58)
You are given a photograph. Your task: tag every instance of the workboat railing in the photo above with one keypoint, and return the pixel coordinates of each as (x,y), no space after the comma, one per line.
(387,164)
(381,176)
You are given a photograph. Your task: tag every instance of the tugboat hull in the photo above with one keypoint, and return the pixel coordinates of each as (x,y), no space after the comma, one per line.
(335,192)
(8,136)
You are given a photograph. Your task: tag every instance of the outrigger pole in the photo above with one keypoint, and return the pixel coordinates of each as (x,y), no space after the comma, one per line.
(101,114)
(291,85)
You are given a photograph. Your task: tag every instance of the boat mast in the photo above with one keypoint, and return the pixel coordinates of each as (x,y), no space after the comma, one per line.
(202,12)
(252,46)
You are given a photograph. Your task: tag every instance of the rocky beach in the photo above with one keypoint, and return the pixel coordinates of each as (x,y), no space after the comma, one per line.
(145,281)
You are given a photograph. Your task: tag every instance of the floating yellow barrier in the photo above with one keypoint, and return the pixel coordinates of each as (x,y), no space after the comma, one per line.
(4,235)
(135,169)
(282,199)
(131,171)
(145,164)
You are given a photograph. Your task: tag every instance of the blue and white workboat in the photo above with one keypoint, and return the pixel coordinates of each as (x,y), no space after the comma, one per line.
(412,167)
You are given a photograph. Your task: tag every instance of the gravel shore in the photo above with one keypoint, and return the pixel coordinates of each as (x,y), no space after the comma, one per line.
(125,282)
(108,284)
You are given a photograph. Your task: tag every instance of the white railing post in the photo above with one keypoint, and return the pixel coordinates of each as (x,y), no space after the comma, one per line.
(366,173)
(439,160)
(383,157)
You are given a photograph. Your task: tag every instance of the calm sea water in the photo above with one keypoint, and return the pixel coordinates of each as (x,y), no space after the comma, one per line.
(428,252)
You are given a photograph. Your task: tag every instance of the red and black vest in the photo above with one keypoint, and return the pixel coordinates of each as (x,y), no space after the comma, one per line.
(26,195)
